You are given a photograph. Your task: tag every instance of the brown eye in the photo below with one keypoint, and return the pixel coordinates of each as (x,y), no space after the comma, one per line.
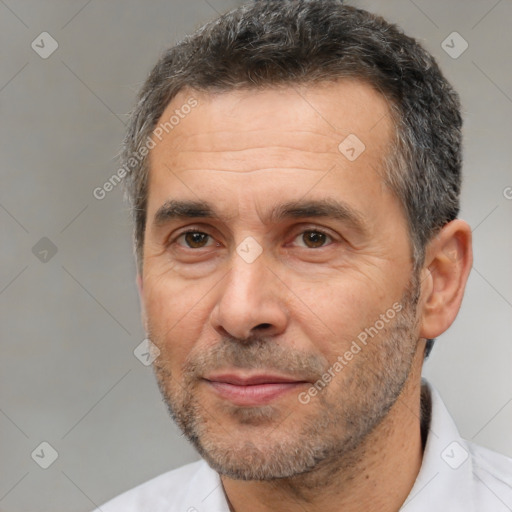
(313,239)
(195,239)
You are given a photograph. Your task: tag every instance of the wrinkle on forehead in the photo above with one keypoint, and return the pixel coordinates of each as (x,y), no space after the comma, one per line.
(283,124)
(238,140)
(235,139)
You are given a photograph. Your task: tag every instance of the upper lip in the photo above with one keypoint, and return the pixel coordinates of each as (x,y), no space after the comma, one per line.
(250,380)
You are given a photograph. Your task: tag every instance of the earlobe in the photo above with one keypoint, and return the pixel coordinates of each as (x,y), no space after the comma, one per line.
(448,261)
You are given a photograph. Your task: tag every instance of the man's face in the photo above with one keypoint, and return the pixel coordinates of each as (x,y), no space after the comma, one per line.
(274,254)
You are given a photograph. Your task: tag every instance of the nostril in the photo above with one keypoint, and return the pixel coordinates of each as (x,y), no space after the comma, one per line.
(263,326)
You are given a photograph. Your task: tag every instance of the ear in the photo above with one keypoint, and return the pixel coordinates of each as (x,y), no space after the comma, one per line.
(140,288)
(448,261)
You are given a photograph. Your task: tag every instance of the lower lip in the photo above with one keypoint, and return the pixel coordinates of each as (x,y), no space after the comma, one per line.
(256,394)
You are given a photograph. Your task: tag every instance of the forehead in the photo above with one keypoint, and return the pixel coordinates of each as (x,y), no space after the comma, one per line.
(317,116)
(290,136)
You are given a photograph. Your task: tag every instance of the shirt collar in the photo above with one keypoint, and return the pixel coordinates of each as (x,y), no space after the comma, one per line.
(446,471)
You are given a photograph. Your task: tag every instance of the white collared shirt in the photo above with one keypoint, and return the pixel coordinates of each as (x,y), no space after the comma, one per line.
(455,476)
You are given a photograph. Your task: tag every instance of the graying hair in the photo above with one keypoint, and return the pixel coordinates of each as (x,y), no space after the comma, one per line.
(292,42)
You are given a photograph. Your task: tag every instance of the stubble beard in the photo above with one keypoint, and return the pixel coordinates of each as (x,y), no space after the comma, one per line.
(269,442)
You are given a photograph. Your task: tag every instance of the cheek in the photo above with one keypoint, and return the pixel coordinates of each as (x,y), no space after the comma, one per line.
(176,315)
(337,311)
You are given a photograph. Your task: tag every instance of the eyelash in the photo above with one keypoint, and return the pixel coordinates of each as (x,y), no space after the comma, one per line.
(193,230)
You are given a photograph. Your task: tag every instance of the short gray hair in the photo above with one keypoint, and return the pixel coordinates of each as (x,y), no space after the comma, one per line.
(291,42)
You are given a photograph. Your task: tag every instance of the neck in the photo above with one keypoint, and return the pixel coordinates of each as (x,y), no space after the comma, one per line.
(377,475)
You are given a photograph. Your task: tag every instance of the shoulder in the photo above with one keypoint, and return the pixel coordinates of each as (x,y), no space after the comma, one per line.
(461,476)
(492,473)
(167,492)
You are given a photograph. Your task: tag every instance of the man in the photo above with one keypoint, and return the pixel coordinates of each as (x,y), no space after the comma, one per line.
(294,172)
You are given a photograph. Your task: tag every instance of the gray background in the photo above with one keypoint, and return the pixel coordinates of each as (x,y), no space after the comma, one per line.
(69,325)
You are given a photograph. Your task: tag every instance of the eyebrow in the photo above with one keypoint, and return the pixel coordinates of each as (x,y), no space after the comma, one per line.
(174,209)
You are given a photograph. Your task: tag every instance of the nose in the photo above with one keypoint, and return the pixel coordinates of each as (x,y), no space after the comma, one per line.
(251,301)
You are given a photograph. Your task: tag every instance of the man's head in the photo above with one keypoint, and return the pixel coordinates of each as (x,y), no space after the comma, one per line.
(288,43)
(294,229)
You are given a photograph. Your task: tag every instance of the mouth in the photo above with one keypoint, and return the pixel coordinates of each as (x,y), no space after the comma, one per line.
(252,390)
